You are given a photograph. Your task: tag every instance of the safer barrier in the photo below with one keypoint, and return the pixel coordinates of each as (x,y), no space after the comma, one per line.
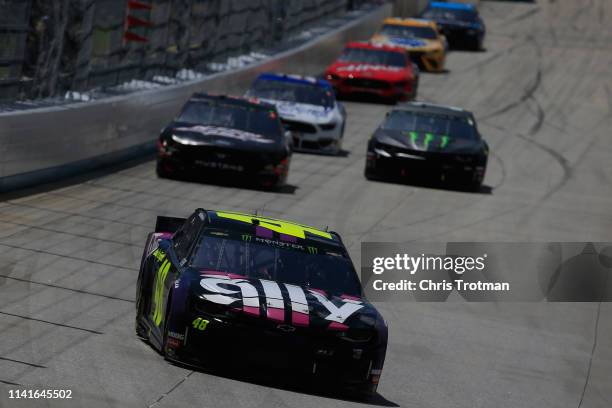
(45,144)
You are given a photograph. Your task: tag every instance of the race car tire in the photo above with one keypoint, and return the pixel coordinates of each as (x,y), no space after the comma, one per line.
(364,394)
(474,186)
(370,176)
(161,172)
(338,151)
(140,331)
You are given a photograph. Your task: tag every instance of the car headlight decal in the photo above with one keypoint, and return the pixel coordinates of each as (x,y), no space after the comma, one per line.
(381,152)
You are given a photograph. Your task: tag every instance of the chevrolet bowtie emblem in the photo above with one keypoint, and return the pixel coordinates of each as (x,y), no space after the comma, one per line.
(286,328)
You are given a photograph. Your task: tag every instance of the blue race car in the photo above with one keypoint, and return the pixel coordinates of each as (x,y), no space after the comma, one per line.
(459,22)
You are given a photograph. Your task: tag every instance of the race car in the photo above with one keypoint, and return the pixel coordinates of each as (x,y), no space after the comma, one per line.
(308,109)
(222,138)
(424,141)
(460,23)
(231,291)
(421,38)
(379,70)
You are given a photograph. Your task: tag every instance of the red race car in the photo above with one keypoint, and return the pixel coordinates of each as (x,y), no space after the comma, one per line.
(380,70)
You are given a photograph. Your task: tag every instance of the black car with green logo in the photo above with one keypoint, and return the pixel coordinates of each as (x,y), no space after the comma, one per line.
(425,141)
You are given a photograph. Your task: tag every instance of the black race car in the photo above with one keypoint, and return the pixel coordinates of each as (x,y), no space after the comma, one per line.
(221,138)
(459,22)
(426,141)
(232,290)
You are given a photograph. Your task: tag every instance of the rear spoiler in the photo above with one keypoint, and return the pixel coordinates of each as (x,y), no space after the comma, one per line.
(169,224)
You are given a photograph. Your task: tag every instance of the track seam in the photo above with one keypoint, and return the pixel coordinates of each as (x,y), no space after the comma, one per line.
(22,362)
(82,291)
(11,383)
(41,251)
(588,376)
(55,231)
(52,323)
(76,214)
(164,395)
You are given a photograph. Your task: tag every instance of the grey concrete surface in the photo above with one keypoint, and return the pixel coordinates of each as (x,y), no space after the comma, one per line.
(542,95)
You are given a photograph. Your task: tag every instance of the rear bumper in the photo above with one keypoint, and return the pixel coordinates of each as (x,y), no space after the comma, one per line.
(464,37)
(210,167)
(443,170)
(316,144)
(308,137)
(428,61)
(391,91)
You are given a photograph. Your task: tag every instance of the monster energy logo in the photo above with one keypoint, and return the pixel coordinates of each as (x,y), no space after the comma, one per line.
(313,250)
(429,137)
(159,255)
(158,296)
(247,237)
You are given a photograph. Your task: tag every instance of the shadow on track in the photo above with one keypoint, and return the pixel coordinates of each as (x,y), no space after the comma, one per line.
(287,383)
(68,181)
(342,153)
(232,182)
(436,185)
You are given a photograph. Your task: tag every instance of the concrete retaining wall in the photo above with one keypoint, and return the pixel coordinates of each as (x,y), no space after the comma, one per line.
(408,8)
(44,144)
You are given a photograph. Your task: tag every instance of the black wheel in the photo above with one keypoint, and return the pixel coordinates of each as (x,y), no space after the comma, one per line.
(415,91)
(370,176)
(474,186)
(161,171)
(140,331)
(365,394)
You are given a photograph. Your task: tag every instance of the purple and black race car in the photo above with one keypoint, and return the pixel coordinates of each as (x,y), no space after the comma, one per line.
(233,290)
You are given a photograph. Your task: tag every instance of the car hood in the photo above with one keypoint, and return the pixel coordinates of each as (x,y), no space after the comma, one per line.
(302,111)
(207,135)
(370,71)
(427,142)
(281,303)
(410,44)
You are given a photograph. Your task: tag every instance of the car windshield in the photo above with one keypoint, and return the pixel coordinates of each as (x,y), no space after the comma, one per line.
(250,119)
(318,267)
(394,30)
(454,126)
(450,14)
(292,92)
(369,56)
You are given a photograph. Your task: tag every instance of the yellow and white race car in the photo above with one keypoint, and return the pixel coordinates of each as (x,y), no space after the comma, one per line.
(421,38)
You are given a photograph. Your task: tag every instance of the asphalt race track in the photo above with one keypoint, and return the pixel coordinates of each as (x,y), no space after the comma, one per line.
(542,93)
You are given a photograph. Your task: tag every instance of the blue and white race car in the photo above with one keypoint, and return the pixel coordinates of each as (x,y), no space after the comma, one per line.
(308,109)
